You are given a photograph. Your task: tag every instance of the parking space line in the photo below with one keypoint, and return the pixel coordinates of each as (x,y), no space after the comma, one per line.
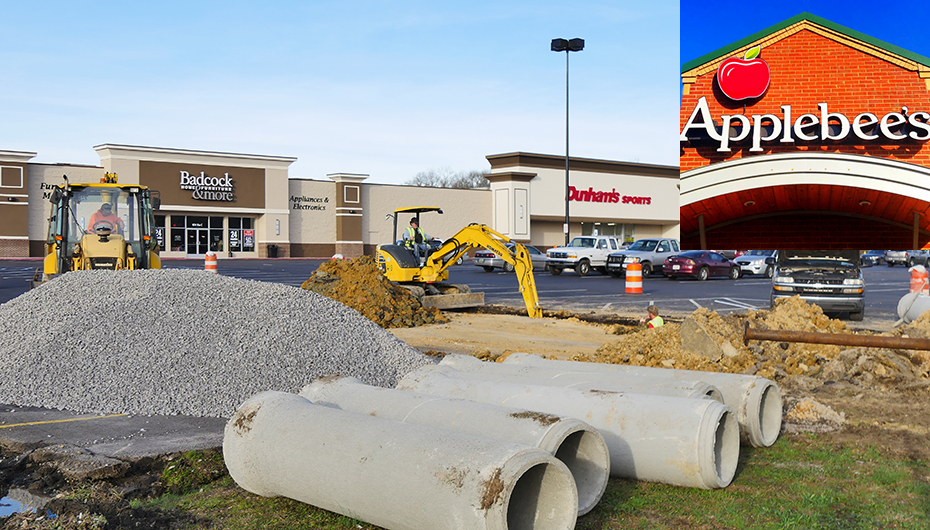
(739,304)
(695,304)
(59,421)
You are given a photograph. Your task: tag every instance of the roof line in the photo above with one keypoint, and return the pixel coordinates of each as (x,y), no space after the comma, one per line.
(690,65)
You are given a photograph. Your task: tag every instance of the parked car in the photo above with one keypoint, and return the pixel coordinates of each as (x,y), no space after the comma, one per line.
(758,262)
(917,257)
(582,254)
(700,264)
(490,261)
(649,253)
(872,257)
(829,278)
(893,257)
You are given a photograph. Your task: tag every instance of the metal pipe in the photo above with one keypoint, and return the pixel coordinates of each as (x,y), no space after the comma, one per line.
(839,339)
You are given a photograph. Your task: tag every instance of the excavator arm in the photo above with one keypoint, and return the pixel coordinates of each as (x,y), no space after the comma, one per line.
(478,235)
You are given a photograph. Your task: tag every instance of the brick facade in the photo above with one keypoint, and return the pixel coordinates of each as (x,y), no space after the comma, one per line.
(810,63)
(808,69)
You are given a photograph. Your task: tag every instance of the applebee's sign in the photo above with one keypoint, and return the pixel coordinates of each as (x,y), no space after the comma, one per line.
(745,78)
(785,129)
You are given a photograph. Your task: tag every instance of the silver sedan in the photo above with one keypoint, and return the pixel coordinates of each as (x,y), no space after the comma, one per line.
(490,261)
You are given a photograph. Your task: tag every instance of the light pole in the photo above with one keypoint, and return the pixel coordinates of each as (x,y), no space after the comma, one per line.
(563,45)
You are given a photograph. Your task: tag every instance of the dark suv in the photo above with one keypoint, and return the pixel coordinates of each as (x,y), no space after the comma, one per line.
(828,278)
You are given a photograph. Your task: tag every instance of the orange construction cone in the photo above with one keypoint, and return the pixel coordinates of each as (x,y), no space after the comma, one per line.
(634,278)
(919,282)
(209,262)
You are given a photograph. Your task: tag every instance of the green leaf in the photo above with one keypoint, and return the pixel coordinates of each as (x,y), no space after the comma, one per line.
(753,52)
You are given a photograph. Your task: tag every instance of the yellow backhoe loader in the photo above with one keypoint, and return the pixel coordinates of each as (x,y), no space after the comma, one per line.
(423,269)
(100,226)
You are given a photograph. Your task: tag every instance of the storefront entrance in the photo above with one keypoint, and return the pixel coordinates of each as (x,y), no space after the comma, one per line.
(195,235)
(197,241)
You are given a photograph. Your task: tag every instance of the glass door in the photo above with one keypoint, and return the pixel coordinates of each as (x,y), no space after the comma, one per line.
(197,242)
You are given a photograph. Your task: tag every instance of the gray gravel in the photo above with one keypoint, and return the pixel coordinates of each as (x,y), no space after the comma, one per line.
(181,342)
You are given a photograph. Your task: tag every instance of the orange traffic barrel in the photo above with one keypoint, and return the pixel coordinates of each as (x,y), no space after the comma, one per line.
(209,262)
(919,282)
(634,278)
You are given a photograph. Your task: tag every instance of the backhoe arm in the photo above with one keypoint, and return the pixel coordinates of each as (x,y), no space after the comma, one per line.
(478,235)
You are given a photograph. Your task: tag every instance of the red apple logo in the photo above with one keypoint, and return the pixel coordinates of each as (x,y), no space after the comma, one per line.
(745,78)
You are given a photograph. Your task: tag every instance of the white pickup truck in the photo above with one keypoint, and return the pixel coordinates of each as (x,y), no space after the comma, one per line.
(650,253)
(582,254)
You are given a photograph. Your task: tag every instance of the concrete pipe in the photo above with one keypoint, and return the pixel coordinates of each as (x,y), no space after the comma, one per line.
(912,305)
(756,400)
(399,476)
(538,375)
(680,441)
(578,445)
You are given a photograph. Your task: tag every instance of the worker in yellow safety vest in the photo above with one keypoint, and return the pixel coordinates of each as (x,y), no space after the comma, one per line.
(652,319)
(416,239)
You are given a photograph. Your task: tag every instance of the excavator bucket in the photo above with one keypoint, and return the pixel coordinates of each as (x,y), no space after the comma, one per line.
(453,301)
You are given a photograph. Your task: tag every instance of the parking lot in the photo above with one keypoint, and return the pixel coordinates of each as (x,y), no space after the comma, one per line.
(568,291)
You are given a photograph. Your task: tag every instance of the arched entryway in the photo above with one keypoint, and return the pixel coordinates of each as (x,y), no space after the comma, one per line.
(806,200)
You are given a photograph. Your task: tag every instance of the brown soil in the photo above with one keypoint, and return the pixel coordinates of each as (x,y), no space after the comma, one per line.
(359,284)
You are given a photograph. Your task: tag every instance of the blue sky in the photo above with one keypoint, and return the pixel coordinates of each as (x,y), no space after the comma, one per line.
(901,22)
(384,88)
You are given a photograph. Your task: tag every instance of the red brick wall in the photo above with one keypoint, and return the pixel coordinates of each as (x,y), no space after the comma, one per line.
(807,69)
(14,248)
(820,231)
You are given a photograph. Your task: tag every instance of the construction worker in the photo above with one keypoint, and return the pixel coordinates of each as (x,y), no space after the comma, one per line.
(105,218)
(415,238)
(652,319)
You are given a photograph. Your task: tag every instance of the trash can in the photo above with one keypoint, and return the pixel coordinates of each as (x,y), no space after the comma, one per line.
(272,251)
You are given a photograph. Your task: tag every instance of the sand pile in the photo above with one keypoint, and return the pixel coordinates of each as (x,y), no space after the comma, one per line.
(359,284)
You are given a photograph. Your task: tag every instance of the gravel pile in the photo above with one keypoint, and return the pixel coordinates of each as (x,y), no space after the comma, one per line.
(181,342)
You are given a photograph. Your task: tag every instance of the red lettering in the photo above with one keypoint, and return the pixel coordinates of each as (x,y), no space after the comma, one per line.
(612,196)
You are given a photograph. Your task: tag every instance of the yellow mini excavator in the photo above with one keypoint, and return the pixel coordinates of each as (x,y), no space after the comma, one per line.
(422,270)
(100,226)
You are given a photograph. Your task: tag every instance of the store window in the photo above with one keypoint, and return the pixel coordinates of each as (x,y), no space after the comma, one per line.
(241,234)
(160,231)
(178,233)
(622,231)
(216,234)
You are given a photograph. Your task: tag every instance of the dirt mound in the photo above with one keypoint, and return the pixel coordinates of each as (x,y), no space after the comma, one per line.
(359,284)
(809,415)
(662,347)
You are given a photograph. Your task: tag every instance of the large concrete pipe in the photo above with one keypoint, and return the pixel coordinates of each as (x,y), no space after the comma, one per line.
(912,305)
(578,445)
(399,476)
(537,375)
(681,441)
(756,400)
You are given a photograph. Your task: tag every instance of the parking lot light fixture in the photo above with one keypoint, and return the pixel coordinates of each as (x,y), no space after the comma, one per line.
(565,45)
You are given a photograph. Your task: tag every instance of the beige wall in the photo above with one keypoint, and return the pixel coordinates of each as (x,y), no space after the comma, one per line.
(460,208)
(312,212)
(42,177)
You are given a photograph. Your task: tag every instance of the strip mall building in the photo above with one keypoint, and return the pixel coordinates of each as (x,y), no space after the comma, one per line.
(806,135)
(241,205)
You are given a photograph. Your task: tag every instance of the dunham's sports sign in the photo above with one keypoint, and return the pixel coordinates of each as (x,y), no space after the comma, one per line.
(759,129)
(612,196)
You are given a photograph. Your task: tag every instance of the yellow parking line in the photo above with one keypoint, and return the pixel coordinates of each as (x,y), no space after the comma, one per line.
(59,421)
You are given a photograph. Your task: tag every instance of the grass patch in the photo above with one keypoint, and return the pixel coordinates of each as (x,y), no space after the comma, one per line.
(802,482)
(799,483)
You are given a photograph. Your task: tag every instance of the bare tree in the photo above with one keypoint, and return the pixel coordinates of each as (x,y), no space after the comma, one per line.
(446,178)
